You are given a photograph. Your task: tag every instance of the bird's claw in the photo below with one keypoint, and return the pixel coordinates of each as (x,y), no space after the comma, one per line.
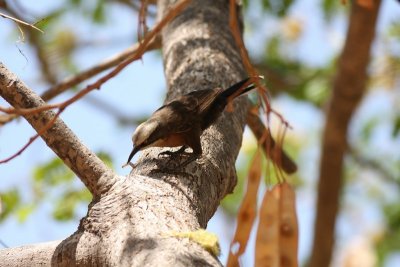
(173,154)
(129,164)
(167,153)
(179,154)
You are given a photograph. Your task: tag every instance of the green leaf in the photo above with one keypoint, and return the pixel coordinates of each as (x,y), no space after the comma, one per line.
(9,202)
(390,241)
(273,49)
(317,91)
(64,212)
(50,19)
(23,212)
(65,206)
(392,214)
(54,176)
(106,158)
(394,30)
(367,130)
(278,8)
(332,7)
(52,173)
(284,7)
(266,5)
(231,202)
(396,127)
(99,12)
(75,2)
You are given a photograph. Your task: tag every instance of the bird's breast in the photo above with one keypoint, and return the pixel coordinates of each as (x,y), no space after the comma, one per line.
(172,140)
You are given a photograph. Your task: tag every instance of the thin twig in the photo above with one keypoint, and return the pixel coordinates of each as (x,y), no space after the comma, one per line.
(33,138)
(26,111)
(271,150)
(35,40)
(247,63)
(89,73)
(77,79)
(372,164)
(140,51)
(263,92)
(142,27)
(20,22)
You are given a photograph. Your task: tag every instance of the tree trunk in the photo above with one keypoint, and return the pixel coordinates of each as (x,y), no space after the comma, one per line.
(348,89)
(129,219)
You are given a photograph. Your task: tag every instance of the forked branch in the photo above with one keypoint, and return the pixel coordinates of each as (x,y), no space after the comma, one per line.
(83,162)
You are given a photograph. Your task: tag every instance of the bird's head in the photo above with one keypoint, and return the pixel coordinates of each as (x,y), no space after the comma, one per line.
(141,136)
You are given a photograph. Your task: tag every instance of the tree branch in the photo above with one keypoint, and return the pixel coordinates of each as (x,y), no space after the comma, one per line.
(37,43)
(20,22)
(348,89)
(84,163)
(374,165)
(30,255)
(88,73)
(129,224)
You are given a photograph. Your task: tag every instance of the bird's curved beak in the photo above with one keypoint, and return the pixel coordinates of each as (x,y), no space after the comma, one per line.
(134,151)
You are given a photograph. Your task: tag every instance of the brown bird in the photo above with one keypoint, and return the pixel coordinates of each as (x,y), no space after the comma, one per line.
(182,121)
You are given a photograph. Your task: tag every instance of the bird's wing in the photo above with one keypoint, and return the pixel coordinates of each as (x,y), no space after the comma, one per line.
(205,98)
(177,116)
(183,113)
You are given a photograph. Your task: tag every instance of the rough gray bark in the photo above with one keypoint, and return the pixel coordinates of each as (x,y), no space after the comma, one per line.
(29,255)
(126,224)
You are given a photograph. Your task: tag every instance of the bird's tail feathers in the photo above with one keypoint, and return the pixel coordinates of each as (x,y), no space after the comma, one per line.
(233,90)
